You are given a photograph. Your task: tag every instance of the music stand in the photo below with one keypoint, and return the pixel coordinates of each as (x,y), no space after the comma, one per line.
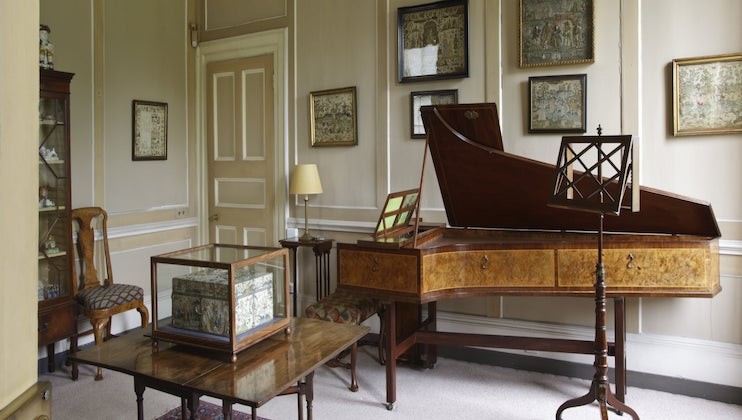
(607,165)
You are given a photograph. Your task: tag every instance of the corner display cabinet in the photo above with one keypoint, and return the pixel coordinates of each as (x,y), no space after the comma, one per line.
(57,306)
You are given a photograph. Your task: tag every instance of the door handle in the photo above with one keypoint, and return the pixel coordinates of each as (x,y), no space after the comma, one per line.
(214,217)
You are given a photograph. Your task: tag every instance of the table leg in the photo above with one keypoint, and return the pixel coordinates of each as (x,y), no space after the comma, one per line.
(432,349)
(50,357)
(294,275)
(227,410)
(300,390)
(325,270)
(139,391)
(183,408)
(322,269)
(193,403)
(390,339)
(309,384)
(317,273)
(73,350)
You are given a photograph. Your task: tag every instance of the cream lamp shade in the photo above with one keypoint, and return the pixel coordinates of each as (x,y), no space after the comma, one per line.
(304,181)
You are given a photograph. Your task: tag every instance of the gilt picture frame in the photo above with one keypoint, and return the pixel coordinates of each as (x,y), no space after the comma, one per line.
(427,97)
(149,130)
(433,41)
(332,117)
(707,95)
(556,33)
(557,104)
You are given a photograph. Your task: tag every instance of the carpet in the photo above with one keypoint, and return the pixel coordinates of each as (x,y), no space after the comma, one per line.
(207,410)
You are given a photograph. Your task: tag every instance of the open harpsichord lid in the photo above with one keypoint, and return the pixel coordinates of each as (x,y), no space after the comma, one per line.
(484,187)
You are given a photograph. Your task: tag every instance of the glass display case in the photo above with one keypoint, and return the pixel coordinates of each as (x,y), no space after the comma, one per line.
(57,307)
(220,297)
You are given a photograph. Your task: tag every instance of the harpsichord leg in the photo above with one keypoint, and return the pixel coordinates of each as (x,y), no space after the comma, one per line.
(390,340)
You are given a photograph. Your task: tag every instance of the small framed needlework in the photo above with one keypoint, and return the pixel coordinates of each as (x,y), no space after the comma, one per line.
(707,95)
(149,130)
(332,117)
(433,41)
(557,104)
(556,32)
(428,97)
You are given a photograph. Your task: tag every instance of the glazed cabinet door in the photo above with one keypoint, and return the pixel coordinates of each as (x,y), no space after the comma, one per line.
(57,308)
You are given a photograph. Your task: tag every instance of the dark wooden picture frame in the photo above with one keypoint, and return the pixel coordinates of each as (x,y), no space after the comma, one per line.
(557,104)
(433,41)
(428,97)
(555,33)
(705,95)
(148,130)
(333,120)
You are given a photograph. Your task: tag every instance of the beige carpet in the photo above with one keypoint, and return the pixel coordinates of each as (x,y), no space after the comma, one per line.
(452,390)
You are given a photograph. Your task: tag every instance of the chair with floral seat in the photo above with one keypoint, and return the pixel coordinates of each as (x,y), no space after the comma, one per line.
(345,307)
(100,299)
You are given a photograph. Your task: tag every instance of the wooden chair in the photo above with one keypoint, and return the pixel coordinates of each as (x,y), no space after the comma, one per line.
(100,300)
(347,308)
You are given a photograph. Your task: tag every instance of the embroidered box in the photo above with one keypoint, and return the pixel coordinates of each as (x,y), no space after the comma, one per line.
(200,300)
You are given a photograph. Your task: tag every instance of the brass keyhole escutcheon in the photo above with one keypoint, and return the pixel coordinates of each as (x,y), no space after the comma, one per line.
(375,265)
(630,264)
(485,262)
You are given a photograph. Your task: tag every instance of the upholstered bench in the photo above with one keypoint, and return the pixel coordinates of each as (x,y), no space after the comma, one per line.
(345,307)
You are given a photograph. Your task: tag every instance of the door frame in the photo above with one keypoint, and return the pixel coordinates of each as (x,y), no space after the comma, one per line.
(269,42)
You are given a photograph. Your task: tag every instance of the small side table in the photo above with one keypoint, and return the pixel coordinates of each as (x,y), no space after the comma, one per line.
(321,249)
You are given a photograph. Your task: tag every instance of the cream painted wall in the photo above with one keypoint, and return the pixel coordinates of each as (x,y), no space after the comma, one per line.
(19,180)
(406,154)
(115,62)
(73,45)
(335,43)
(146,61)
(706,167)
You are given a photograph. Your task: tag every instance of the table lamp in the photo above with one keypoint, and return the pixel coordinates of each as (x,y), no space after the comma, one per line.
(304,181)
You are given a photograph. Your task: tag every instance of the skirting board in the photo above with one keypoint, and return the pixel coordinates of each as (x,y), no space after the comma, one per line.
(705,390)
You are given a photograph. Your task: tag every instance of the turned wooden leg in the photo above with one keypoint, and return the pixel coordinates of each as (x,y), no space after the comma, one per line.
(99,328)
(50,357)
(144,314)
(353,358)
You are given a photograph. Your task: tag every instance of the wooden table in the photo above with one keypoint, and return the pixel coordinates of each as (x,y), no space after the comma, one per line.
(279,365)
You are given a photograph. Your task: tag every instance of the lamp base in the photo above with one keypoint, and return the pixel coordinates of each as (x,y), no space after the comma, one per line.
(306,237)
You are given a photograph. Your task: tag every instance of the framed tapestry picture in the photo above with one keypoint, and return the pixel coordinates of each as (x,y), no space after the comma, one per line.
(433,41)
(333,118)
(557,104)
(149,130)
(428,97)
(555,32)
(707,95)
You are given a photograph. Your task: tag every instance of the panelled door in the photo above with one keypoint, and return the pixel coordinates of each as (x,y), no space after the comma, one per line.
(241,151)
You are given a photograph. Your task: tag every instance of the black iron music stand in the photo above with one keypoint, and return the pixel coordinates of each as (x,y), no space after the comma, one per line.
(598,185)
